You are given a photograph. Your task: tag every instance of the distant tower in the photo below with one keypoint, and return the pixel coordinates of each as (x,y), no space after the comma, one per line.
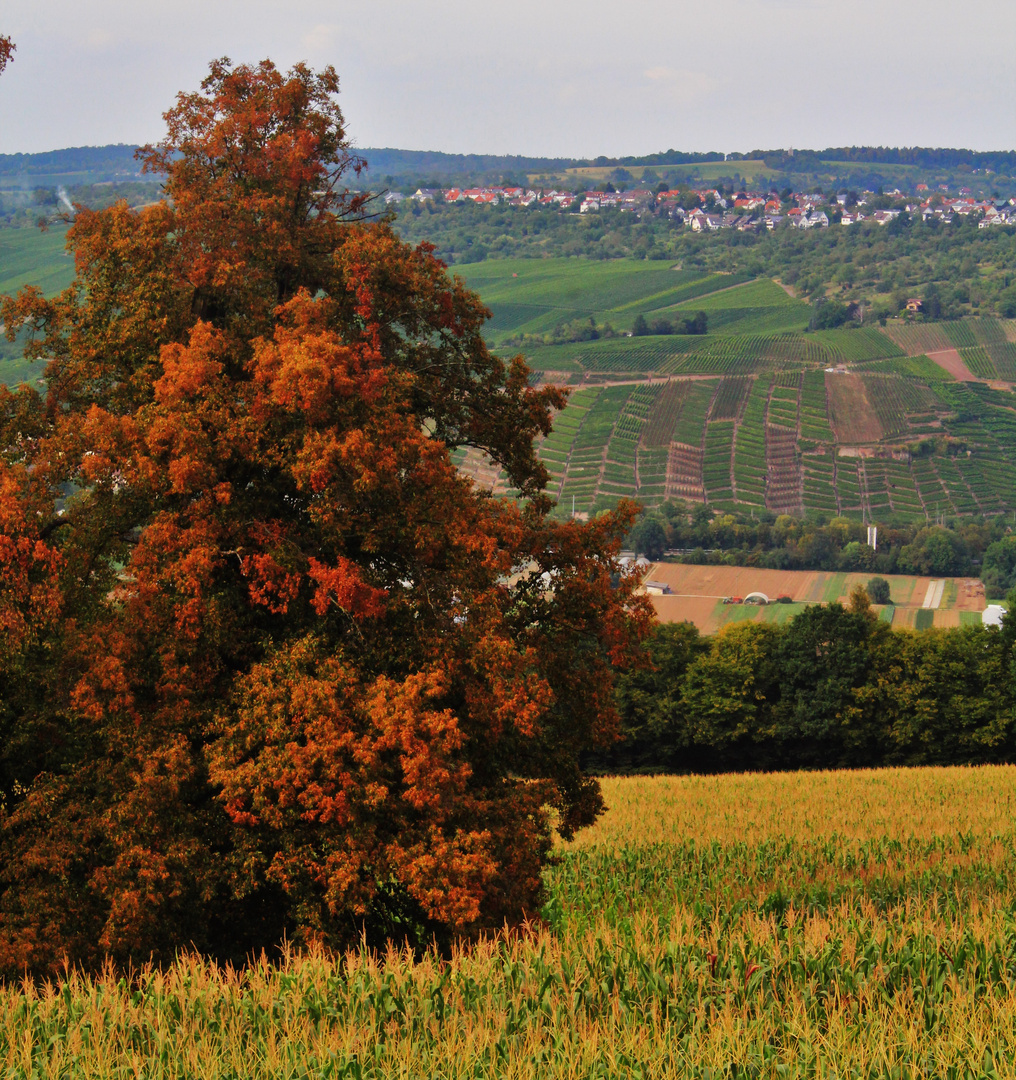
(873,537)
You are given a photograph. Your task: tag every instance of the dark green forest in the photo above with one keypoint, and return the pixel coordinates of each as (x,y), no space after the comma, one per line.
(833,688)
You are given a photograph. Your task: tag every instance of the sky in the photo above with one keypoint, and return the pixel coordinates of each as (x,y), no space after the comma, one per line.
(535,77)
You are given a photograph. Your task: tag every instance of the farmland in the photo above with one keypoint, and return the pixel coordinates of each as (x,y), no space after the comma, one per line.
(864,422)
(760,413)
(29,257)
(697,595)
(817,924)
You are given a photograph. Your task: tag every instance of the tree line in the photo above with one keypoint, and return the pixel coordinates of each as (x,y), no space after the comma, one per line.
(968,547)
(968,270)
(833,688)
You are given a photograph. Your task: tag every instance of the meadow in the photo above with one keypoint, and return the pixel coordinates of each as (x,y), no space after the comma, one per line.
(31,257)
(847,924)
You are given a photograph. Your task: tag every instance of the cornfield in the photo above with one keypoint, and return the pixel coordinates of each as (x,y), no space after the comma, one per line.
(821,924)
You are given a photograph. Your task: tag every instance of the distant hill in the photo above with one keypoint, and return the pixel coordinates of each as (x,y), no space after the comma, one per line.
(388,161)
(75,165)
(101,164)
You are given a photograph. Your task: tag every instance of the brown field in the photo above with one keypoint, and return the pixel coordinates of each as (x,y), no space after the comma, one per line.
(950,360)
(696,592)
(684,473)
(851,414)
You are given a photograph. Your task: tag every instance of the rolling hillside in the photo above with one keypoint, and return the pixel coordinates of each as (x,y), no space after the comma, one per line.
(913,422)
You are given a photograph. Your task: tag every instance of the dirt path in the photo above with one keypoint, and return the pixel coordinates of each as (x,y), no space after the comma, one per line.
(647,380)
(951,361)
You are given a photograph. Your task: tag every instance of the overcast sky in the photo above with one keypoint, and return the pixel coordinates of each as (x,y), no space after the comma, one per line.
(539,77)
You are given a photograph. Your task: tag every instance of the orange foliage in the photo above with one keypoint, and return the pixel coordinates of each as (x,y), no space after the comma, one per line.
(271,666)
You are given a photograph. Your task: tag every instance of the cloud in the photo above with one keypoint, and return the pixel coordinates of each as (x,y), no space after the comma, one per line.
(98,38)
(320,41)
(679,85)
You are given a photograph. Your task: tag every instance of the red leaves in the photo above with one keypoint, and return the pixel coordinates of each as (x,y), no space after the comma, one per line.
(343,585)
(271,585)
(274,641)
(350,776)
(191,370)
(307,368)
(30,597)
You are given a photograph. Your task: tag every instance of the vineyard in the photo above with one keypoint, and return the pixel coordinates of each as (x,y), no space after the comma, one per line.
(690,426)
(757,412)
(730,398)
(858,345)
(814,408)
(664,414)
(775,440)
(917,338)
(750,447)
(819,481)
(716,471)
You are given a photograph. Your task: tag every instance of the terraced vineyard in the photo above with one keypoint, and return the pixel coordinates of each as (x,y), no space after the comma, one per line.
(685,457)
(757,412)
(819,480)
(783,460)
(716,471)
(750,447)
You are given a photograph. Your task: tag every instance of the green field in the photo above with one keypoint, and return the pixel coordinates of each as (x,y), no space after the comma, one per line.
(533,296)
(32,257)
(756,334)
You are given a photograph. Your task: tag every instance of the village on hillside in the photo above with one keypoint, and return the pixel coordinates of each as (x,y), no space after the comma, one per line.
(708,209)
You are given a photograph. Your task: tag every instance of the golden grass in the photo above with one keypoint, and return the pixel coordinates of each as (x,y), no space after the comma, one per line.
(824,924)
(856,805)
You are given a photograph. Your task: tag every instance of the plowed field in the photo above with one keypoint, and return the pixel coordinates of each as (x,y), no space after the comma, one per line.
(697,593)
(852,415)
(950,360)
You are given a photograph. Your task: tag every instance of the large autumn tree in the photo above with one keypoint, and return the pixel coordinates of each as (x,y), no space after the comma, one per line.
(270,665)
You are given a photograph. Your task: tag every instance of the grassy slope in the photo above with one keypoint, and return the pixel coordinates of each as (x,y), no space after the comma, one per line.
(756,328)
(532,296)
(30,257)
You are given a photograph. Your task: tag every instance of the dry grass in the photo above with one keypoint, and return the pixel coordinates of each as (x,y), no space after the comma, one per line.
(825,924)
(851,413)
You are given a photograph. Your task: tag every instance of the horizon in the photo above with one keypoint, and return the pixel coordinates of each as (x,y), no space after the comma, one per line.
(733,156)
